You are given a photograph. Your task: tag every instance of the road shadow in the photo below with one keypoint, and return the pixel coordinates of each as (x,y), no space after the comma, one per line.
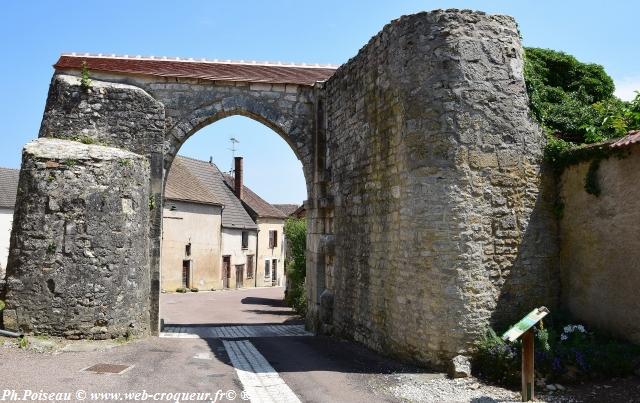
(284,312)
(321,353)
(275,302)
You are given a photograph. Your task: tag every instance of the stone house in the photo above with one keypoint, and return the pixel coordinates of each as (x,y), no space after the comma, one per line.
(8,189)
(191,237)
(270,222)
(209,240)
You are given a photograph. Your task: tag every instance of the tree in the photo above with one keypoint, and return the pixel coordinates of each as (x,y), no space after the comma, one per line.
(574,101)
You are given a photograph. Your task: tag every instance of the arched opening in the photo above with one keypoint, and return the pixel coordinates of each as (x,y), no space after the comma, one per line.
(224,254)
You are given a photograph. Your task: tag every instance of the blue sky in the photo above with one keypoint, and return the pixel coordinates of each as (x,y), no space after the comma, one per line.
(34,33)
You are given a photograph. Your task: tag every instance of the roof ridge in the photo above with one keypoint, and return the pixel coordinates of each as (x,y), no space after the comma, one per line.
(203,60)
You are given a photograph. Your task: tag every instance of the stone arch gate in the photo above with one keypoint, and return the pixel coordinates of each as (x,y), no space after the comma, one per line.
(150,107)
(428,216)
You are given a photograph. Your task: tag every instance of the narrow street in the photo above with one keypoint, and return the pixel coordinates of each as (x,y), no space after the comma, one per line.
(273,357)
(217,345)
(237,340)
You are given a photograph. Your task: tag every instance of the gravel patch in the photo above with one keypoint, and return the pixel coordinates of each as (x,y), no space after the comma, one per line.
(421,388)
(427,388)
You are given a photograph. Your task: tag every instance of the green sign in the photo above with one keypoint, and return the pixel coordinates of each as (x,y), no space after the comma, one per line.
(525,323)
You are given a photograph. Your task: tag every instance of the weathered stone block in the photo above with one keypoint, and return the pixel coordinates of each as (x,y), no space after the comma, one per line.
(460,367)
(79,263)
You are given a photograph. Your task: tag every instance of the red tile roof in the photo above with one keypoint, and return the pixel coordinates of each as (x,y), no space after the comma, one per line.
(631,138)
(214,70)
(260,207)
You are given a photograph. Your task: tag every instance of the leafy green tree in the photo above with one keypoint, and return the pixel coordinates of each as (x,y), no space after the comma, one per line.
(574,101)
(295,230)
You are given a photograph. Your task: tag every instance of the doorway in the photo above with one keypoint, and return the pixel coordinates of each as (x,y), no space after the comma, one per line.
(226,271)
(239,275)
(186,273)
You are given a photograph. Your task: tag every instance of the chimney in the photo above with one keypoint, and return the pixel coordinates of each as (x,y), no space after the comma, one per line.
(237,188)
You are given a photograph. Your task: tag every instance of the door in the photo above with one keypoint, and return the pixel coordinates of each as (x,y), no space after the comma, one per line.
(239,275)
(226,271)
(274,272)
(186,274)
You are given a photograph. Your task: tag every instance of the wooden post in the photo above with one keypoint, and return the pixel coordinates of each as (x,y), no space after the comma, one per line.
(528,373)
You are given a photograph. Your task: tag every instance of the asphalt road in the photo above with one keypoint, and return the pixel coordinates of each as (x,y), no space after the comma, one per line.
(243,306)
(296,368)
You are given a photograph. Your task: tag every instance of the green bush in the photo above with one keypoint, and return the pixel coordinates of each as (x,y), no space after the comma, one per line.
(2,305)
(295,230)
(497,361)
(568,353)
(181,290)
(555,149)
(85,81)
(297,298)
(194,289)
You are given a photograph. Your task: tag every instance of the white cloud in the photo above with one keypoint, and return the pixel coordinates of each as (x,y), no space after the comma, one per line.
(626,86)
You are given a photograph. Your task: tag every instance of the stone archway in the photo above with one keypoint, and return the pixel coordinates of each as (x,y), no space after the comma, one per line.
(428,216)
(153,116)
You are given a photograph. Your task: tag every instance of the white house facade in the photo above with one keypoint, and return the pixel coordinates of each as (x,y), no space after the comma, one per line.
(8,190)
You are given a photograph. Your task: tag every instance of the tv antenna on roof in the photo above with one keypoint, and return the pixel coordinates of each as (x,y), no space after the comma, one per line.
(233,149)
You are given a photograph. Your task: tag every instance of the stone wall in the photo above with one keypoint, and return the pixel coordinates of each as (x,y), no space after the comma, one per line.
(118,115)
(113,114)
(79,259)
(599,244)
(440,222)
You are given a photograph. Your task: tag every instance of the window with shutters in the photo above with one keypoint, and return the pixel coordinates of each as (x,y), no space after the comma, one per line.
(273,239)
(245,239)
(250,266)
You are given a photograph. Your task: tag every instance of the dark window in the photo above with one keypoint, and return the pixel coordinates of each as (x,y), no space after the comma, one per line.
(267,268)
(273,239)
(187,249)
(250,266)
(245,239)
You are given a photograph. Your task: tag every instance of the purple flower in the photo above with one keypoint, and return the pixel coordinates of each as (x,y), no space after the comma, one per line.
(580,360)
